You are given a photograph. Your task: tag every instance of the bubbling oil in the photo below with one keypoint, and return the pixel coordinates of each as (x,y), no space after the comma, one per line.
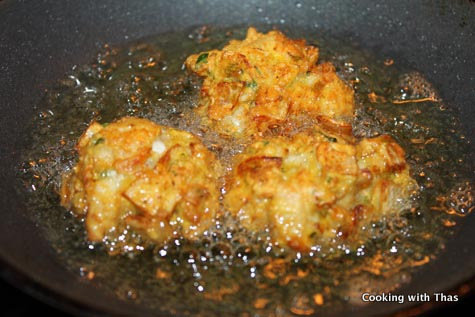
(231,270)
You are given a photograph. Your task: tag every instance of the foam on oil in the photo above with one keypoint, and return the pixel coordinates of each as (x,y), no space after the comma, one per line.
(233,271)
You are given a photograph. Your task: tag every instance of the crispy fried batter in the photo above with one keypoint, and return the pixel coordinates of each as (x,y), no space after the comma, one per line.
(135,173)
(266,79)
(307,190)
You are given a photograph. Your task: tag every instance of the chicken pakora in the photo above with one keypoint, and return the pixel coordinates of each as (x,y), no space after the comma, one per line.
(309,189)
(133,173)
(267,79)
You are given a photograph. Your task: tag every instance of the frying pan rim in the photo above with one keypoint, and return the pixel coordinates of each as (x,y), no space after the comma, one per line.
(33,281)
(27,284)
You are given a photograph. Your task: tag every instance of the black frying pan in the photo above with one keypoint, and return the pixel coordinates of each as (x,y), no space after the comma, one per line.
(41,40)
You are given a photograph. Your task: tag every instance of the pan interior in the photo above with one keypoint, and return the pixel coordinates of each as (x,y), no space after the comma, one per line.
(232,270)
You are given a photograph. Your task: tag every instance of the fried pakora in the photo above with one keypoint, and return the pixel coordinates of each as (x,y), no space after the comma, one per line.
(133,173)
(267,79)
(308,189)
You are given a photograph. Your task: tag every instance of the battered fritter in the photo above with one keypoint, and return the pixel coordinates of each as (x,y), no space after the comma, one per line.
(267,79)
(159,181)
(310,188)
(306,189)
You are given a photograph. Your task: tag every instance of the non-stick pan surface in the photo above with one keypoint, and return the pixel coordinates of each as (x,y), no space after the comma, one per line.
(41,40)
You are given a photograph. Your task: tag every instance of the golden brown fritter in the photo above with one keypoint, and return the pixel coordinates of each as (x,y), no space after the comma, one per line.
(308,189)
(266,79)
(159,181)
